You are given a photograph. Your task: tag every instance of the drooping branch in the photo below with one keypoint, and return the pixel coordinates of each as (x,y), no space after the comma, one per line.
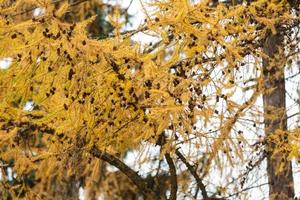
(131,174)
(173,177)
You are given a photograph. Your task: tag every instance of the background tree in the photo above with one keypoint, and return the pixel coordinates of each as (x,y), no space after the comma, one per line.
(190,96)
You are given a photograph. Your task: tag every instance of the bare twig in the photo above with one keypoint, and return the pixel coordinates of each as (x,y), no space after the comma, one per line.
(246,189)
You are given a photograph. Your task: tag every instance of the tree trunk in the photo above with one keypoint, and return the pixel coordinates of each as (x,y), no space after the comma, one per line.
(281,184)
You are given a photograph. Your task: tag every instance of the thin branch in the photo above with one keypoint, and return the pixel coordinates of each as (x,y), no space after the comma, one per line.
(292,76)
(173,177)
(246,189)
(126,9)
(245,174)
(293,115)
(131,32)
(194,174)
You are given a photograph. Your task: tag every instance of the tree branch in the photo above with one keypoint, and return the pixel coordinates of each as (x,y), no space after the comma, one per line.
(194,174)
(131,174)
(246,189)
(173,177)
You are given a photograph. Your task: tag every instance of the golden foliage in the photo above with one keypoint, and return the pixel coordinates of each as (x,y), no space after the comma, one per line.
(113,94)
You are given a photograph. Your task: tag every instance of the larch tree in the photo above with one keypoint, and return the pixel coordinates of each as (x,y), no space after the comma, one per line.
(201,109)
(99,28)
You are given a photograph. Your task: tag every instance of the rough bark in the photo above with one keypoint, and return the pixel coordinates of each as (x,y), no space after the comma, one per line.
(280,181)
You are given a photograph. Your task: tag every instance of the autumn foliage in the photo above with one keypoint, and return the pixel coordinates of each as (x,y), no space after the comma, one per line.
(194,94)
